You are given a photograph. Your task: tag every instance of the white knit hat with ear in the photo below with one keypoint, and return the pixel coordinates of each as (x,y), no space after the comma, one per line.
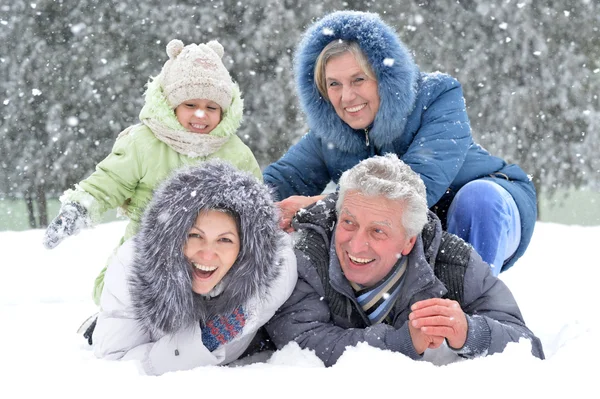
(196,72)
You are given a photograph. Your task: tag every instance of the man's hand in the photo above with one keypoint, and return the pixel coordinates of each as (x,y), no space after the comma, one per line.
(434,319)
(289,206)
(422,341)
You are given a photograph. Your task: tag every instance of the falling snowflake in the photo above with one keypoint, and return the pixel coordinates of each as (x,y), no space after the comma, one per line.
(328,31)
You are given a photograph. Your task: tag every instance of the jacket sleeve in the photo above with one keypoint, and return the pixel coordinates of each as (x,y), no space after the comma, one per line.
(492,313)
(118,335)
(440,146)
(306,319)
(114,180)
(243,158)
(300,171)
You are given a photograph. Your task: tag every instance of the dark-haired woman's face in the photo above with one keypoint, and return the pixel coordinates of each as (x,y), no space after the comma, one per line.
(353,94)
(212,247)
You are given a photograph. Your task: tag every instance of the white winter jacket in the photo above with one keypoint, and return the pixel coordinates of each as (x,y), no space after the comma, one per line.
(120,336)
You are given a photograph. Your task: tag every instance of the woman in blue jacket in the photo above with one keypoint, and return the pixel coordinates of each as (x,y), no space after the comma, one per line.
(363,95)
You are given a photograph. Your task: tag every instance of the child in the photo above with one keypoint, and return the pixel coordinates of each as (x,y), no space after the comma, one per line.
(207,269)
(191,113)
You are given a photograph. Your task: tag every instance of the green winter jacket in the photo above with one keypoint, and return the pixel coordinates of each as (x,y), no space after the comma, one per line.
(139,161)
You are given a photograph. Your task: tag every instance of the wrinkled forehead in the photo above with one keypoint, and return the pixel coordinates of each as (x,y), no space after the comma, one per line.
(367,209)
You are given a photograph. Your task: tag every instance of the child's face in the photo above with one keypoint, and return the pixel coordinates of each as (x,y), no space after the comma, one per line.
(198,116)
(212,247)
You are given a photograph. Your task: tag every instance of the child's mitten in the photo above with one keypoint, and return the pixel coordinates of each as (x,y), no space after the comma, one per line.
(71,218)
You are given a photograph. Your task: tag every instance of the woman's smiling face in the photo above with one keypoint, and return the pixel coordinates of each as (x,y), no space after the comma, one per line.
(353,94)
(212,247)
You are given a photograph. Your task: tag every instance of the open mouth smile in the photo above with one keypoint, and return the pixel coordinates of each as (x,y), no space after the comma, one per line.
(355,108)
(203,271)
(198,127)
(359,261)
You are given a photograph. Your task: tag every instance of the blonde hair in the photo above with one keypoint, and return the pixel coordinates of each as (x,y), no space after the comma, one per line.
(335,49)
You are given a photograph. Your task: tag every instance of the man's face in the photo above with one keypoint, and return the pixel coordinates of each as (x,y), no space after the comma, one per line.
(370,238)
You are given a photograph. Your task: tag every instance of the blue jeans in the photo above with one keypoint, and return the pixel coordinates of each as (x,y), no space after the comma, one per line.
(485,215)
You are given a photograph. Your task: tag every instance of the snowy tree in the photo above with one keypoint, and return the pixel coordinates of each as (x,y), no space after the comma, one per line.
(529,70)
(59,87)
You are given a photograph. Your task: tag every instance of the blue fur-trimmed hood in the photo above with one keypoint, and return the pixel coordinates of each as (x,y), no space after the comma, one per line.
(392,63)
(161,278)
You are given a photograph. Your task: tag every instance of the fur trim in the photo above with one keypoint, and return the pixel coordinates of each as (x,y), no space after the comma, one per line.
(162,276)
(157,107)
(394,68)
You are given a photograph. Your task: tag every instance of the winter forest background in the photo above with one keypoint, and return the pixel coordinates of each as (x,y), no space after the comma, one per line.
(73,76)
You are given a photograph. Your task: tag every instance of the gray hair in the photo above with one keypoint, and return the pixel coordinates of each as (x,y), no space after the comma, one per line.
(387,176)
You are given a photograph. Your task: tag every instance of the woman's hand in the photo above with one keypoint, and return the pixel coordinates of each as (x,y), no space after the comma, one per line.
(289,206)
(437,318)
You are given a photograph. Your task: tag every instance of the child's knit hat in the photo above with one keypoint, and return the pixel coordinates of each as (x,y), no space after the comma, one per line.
(195,71)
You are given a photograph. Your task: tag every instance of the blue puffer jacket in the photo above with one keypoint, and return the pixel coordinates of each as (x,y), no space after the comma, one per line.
(422,118)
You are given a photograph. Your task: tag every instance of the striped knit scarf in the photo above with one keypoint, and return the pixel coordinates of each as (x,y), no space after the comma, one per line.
(377,301)
(222,329)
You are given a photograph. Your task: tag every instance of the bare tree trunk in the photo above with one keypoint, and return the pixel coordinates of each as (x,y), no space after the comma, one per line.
(42,206)
(30,211)
(538,190)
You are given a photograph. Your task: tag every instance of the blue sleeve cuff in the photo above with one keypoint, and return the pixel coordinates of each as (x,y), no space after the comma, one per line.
(479,337)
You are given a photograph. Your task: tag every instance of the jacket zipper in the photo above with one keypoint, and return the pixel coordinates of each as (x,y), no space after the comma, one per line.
(367,137)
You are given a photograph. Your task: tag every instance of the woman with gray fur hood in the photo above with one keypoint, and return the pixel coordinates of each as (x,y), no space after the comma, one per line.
(207,269)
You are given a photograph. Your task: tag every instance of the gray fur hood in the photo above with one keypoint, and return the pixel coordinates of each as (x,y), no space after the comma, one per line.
(161,278)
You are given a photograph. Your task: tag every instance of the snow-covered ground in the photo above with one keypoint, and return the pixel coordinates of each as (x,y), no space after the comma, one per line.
(45,295)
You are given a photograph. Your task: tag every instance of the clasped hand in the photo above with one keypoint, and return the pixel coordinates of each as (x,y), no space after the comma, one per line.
(289,206)
(433,320)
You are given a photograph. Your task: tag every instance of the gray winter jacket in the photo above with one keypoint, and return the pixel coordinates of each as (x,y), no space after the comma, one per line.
(149,311)
(492,313)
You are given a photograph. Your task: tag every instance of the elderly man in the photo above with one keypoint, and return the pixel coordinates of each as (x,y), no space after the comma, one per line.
(383,272)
